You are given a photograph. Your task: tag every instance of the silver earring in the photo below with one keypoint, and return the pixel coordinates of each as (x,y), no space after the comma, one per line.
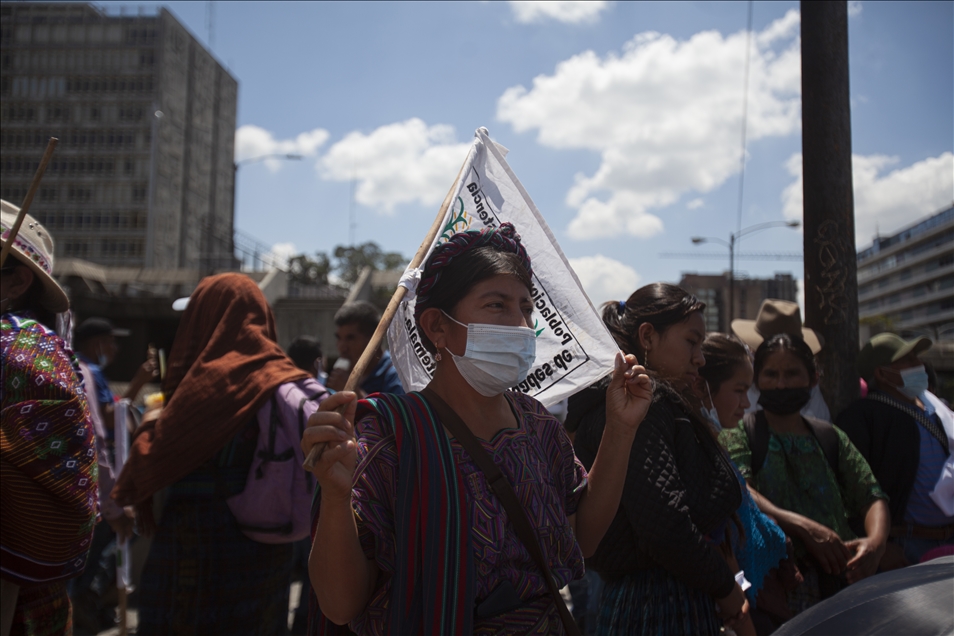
(437,356)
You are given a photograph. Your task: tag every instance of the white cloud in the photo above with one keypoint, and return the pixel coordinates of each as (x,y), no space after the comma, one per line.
(854,8)
(665,116)
(604,278)
(253,141)
(281,253)
(398,163)
(567,11)
(884,202)
(695,204)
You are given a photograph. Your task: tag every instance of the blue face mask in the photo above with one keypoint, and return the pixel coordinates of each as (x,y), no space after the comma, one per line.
(497,357)
(914,381)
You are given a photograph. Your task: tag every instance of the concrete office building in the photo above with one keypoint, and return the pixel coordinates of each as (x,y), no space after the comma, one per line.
(713,290)
(906,280)
(143,174)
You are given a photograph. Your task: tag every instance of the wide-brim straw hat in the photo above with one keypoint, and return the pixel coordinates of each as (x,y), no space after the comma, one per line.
(775,317)
(33,247)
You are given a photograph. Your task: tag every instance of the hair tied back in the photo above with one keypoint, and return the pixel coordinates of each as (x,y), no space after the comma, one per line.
(621,308)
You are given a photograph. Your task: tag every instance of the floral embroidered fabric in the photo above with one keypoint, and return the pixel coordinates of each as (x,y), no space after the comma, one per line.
(797,477)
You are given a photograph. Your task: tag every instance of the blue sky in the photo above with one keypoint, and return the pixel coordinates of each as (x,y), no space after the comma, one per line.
(623,120)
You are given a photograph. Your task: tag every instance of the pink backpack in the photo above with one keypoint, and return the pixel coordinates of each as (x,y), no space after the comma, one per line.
(275,506)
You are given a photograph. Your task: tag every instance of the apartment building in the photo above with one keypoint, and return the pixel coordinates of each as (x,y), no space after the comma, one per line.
(713,290)
(143,176)
(906,280)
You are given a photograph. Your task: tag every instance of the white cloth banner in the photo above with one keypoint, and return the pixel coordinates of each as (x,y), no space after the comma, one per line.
(574,348)
(121,453)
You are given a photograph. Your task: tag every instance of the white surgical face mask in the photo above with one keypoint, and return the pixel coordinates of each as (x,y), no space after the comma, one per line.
(914,381)
(497,357)
(711,414)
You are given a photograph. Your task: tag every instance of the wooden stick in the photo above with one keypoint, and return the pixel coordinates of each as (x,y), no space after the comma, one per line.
(368,354)
(50,147)
(123,626)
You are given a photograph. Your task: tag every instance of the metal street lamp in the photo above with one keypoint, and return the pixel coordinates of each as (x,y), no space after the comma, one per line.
(699,240)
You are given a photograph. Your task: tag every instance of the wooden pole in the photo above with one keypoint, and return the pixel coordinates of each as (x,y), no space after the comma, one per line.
(368,354)
(123,626)
(831,281)
(37,176)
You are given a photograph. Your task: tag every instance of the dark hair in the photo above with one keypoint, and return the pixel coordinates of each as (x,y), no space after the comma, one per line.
(724,355)
(660,304)
(785,342)
(303,351)
(361,313)
(463,272)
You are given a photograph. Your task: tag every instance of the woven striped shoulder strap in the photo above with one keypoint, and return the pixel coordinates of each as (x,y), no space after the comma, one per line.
(919,416)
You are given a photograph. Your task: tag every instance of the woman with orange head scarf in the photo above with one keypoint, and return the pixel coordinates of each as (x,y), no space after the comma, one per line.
(203,574)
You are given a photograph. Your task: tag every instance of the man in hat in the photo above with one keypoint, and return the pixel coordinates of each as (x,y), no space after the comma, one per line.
(906,437)
(775,317)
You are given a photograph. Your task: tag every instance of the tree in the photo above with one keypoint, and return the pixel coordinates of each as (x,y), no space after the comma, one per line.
(303,270)
(350,260)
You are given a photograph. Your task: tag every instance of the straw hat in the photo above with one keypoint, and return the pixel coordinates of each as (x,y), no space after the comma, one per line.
(775,317)
(33,247)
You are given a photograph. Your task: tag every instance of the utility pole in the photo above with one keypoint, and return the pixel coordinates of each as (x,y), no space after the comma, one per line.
(831,281)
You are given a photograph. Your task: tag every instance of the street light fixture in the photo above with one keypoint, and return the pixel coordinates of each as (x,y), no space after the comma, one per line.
(699,240)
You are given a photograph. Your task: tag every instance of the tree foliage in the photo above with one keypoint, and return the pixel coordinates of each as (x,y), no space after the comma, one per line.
(304,270)
(348,262)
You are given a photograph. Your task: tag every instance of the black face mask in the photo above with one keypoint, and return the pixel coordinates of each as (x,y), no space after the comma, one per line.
(784,401)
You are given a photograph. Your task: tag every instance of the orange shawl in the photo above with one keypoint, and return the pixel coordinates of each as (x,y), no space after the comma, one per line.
(224,365)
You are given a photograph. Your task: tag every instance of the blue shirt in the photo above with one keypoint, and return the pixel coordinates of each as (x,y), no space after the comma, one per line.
(921,508)
(384,378)
(103,395)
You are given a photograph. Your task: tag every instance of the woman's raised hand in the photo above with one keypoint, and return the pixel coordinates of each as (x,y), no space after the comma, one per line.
(629,394)
(333,427)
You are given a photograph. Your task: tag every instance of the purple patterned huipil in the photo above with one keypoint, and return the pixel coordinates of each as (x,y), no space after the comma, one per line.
(538,460)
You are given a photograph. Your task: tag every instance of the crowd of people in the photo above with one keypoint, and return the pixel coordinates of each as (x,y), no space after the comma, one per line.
(702,487)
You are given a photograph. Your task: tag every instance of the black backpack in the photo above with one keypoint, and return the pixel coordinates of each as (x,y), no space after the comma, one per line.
(757,432)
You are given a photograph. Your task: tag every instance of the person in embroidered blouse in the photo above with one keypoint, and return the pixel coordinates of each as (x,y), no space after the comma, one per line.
(810,499)
(409,537)
(48,465)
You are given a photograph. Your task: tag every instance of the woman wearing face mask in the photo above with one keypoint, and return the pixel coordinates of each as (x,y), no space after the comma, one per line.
(761,553)
(662,557)
(811,479)
(409,535)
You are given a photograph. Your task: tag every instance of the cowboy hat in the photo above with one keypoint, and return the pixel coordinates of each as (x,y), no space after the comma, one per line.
(775,317)
(33,247)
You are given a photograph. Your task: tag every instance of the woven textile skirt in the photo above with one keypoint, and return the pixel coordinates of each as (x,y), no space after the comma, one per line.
(203,576)
(43,610)
(652,602)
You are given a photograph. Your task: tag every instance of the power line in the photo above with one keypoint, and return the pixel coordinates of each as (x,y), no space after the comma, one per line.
(749,256)
(745,111)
